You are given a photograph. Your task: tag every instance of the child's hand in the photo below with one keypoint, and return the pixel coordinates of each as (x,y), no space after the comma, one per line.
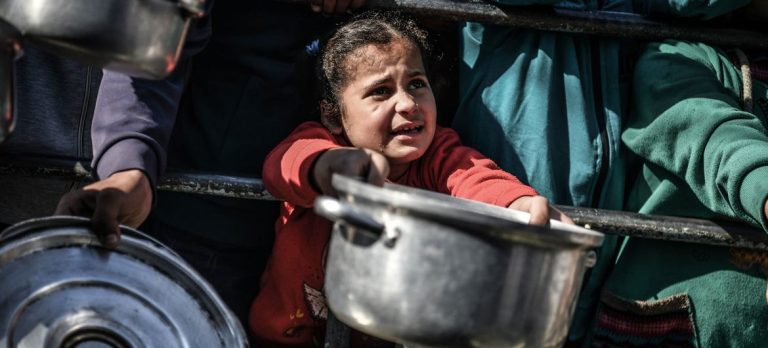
(541,212)
(122,198)
(369,165)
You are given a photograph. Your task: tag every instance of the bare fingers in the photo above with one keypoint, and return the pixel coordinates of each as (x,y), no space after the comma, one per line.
(378,168)
(123,198)
(105,218)
(99,206)
(77,203)
(539,210)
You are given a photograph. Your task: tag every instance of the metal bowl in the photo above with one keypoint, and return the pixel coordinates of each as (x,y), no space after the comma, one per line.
(142,38)
(61,288)
(431,270)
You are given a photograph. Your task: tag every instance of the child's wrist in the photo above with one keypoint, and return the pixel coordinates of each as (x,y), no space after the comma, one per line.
(519,202)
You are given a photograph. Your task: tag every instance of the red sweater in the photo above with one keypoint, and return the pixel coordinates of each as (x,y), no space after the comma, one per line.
(290,308)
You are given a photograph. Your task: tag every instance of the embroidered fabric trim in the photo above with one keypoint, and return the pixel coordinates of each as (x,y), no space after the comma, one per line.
(658,323)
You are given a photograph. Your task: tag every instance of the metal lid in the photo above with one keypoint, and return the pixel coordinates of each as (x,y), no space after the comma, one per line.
(470,216)
(61,288)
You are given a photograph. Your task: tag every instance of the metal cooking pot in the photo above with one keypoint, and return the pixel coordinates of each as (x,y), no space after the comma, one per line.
(60,288)
(9,48)
(140,37)
(427,269)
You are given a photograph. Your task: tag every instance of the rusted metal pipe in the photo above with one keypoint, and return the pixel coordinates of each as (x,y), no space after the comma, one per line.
(613,222)
(603,23)
(206,184)
(214,185)
(669,228)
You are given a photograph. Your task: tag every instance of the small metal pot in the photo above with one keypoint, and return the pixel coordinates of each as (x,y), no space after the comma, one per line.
(61,288)
(9,48)
(427,269)
(140,37)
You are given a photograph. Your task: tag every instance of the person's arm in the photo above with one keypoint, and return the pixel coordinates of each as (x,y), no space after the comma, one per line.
(131,126)
(288,168)
(464,172)
(688,121)
(301,167)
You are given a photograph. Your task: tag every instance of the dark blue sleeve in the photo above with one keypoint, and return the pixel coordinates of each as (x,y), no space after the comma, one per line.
(134,117)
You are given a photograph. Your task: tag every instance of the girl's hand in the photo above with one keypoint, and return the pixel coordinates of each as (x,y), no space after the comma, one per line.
(369,165)
(540,210)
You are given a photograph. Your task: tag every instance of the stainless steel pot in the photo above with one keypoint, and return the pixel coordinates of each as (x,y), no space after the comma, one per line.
(140,37)
(60,288)
(9,48)
(427,269)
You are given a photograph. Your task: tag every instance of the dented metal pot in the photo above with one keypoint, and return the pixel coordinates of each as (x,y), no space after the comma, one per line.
(430,270)
(61,288)
(140,37)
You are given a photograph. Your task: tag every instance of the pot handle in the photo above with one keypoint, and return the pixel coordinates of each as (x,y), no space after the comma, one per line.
(336,210)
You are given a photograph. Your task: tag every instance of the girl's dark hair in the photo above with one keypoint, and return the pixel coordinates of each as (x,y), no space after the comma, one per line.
(372,27)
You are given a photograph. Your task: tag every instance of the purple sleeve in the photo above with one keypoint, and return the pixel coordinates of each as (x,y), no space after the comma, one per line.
(133,117)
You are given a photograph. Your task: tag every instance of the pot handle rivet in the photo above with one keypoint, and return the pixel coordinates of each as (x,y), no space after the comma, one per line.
(390,236)
(591,259)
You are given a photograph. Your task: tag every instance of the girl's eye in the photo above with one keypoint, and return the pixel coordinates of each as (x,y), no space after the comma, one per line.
(417,83)
(380,91)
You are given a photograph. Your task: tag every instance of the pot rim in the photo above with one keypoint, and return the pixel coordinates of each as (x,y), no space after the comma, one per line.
(471,216)
(29,237)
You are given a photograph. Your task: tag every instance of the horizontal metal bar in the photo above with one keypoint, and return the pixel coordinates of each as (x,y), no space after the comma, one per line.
(214,185)
(603,23)
(669,228)
(65,170)
(205,184)
(613,222)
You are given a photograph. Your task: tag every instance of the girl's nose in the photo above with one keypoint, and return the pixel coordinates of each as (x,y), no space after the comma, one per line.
(406,104)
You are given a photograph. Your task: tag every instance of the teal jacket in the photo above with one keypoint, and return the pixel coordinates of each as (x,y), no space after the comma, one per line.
(699,153)
(548,107)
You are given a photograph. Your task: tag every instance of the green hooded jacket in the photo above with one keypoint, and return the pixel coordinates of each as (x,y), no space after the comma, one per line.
(699,154)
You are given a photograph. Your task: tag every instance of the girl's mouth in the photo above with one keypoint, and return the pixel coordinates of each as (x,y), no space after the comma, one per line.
(407,131)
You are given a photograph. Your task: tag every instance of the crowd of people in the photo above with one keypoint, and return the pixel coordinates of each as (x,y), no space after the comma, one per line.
(301,92)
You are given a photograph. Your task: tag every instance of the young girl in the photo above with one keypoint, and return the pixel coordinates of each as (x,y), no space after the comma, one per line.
(378,122)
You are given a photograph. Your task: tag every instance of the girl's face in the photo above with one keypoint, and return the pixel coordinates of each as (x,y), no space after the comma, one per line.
(387,105)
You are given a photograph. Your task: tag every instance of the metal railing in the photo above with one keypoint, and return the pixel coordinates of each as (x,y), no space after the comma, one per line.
(610,24)
(602,23)
(726,234)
